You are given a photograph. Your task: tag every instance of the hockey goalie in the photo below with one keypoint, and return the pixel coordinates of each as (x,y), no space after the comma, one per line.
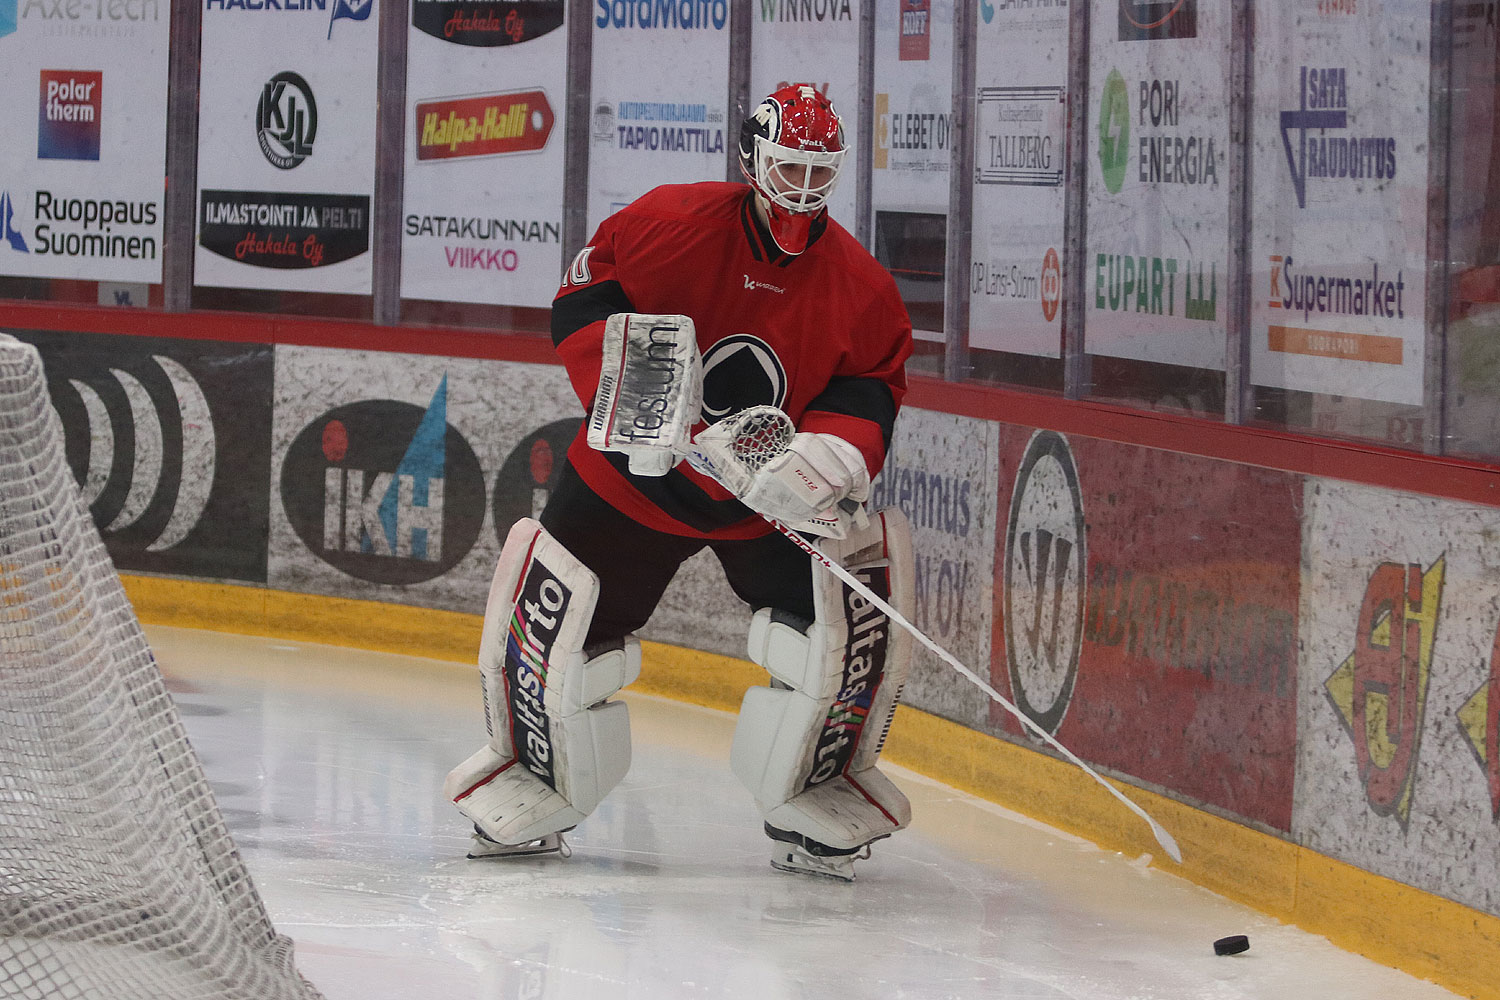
(693,305)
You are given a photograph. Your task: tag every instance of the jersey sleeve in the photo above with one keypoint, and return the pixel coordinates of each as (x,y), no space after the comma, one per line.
(591,292)
(865,393)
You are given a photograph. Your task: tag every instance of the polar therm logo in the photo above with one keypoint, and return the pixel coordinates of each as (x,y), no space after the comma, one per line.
(385,491)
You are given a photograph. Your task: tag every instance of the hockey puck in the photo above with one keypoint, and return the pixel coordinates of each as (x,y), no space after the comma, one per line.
(1232,945)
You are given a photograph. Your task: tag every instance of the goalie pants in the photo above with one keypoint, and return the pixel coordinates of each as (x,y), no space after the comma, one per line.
(635,563)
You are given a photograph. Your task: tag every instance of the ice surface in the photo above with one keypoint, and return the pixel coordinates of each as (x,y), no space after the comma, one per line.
(328,764)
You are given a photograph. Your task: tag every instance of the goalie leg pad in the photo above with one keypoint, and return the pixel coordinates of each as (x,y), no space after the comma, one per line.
(807,748)
(556,745)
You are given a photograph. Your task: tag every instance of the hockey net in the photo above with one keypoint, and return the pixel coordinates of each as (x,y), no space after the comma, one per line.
(118,878)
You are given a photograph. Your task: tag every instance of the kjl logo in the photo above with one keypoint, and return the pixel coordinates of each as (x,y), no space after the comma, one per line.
(1380,690)
(68,114)
(385,491)
(286,120)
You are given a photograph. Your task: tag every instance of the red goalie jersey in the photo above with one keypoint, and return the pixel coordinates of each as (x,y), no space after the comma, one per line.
(823,335)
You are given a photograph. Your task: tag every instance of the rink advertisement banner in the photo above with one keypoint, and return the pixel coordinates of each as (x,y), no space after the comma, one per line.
(1170,653)
(169,442)
(948,496)
(913,133)
(487,23)
(1338,252)
(286,145)
(1020,169)
(484,160)
(270,229)
(85,122)
(386,469)
(1158,189)
(793,41)
(1400,689)
(658,100)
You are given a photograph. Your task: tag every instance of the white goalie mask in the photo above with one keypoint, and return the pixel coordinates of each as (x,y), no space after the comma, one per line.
(792,151)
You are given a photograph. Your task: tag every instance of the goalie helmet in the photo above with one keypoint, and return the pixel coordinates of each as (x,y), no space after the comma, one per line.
(791,149)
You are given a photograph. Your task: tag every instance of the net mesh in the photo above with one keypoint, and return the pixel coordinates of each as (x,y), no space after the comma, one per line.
(759,434)
(118,878)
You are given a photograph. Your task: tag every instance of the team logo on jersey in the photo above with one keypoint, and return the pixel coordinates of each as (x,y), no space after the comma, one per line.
(739,372)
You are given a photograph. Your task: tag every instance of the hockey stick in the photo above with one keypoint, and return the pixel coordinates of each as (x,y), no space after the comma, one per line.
(762,430)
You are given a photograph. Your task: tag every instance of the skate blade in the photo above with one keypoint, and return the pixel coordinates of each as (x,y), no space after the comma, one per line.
(798,863)
(551,845)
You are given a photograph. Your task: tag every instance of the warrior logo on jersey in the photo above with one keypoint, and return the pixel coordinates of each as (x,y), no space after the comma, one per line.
(739,372)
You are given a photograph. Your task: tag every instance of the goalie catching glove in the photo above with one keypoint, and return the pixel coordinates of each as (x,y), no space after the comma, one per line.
(803,486)
(807,481)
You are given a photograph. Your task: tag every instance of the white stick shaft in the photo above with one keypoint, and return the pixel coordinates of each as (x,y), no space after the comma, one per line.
(1162,836)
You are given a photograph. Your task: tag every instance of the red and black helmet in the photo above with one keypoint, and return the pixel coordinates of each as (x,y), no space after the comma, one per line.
(791,151)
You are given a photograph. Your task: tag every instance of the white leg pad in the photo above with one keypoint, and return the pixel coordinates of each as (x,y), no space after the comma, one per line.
(846,811)
(807,750)
(514,806)
(556,746)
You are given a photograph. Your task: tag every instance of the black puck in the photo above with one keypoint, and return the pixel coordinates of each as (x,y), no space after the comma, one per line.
(1232,945)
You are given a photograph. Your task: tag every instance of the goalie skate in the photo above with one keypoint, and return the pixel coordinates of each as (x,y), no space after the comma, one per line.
(552,845)
(795,853)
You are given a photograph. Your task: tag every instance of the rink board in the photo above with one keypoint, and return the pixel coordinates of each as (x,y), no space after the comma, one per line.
(1204,636)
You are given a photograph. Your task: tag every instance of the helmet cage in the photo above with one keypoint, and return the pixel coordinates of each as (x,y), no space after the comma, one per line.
(797,180)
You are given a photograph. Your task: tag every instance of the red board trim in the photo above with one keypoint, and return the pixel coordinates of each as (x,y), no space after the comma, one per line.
(1456,479)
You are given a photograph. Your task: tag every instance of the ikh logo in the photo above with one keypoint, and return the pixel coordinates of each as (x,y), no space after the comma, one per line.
(1479,720)
(1045,556)
(1324,106)
(8,231)
(68,115)
(385,491)
(1380,690)
(137,479)
(286,120)
(739,372)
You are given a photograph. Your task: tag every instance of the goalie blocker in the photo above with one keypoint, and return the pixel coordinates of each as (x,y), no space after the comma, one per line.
(650,390)
(806,747)
(556,744)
